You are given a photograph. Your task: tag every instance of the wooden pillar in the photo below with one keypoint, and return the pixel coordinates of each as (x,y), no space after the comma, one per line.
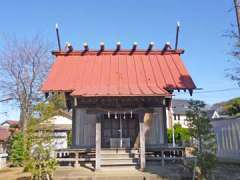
(74,127)
(98,143)
(163,156)
(165,138)
(142,142)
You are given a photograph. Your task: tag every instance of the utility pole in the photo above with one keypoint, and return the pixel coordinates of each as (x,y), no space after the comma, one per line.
(237,9)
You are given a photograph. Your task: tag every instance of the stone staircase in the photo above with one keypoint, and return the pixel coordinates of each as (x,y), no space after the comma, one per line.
(119,158)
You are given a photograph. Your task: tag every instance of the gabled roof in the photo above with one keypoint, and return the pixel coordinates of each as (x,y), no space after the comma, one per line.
(121,73)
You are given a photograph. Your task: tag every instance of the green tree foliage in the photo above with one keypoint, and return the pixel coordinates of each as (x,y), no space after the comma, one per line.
(201,130)
(181,134)
(16,152)
(232,107)
(39,135)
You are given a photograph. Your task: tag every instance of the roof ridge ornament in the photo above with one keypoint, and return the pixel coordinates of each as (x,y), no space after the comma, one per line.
(150,47)
(118,46)
(166,47)
(134,48)
(69,47)
(85,46)
(102,47)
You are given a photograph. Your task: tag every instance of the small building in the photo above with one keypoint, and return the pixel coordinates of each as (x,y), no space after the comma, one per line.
(179,110)
(4,137)
(178,113)
(61,126)
(119,98)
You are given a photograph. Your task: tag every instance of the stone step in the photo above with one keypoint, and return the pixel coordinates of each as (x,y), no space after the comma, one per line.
(124,168)
(118,158)
(119,164)
(119,151)
(111,162)
(122,155)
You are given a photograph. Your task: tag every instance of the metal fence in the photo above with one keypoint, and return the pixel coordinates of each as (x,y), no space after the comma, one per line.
(227,132)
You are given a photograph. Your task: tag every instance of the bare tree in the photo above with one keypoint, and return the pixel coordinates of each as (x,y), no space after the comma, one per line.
(23,66)
(234,72)
(237,10)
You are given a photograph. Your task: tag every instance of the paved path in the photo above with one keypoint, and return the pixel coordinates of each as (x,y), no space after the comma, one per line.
(152,173)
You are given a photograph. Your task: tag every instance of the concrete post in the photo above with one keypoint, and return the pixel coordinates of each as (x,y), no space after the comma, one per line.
(142,143)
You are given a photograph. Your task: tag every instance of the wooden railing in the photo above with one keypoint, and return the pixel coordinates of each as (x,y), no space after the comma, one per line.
(73,157)
(167,153)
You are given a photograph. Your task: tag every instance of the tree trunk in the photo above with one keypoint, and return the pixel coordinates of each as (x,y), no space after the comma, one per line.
(25,114)
(22,119)
(147,122)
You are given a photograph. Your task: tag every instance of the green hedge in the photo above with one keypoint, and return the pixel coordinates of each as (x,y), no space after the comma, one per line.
(181,135)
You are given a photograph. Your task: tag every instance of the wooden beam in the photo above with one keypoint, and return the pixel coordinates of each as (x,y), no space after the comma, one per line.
(120,110)
(116,102)
(98,143)
(142,142)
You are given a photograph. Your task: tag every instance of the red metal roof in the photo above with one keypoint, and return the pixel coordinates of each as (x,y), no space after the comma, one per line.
(118,74)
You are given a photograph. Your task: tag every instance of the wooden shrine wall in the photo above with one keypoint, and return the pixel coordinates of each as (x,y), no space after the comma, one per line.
(84,129)
(155,135)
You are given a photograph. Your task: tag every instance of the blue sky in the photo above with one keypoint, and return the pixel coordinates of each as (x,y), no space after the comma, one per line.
(203,24)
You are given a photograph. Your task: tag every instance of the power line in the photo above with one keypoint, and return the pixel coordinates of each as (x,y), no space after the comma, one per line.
(218,90)
(213,91)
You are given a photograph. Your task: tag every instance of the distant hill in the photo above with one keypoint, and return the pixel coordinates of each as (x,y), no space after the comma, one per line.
(179,105)
(219,106)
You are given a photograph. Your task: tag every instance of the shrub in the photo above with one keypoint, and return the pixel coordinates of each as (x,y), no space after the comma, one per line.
(16,152)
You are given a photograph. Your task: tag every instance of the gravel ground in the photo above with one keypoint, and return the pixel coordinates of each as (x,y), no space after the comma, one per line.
(13,174)
(227,171)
